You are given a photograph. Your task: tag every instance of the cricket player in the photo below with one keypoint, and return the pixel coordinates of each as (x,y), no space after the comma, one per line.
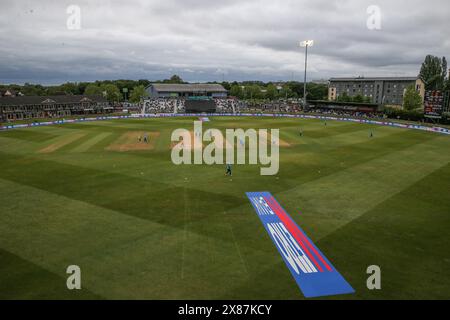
(228,170)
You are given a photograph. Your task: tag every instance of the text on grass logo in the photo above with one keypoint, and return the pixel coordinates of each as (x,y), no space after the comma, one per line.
(313,272)
(231,149)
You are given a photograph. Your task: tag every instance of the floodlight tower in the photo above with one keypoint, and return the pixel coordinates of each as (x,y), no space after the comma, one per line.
(305,44)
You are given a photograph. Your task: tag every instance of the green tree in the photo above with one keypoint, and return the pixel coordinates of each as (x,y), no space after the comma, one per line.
(286,92)
(112,93)
(137,93)
(82,87)
(359,98)
(445,74)
(296,87)
(226,85)
(143,82)
(236,91)
(55,91)
(70,88)
(272,92)
(432,72)
(174,79)
(33,90)
(412,99)
(254,92)
(444,69)
(344,98)
(316,91)
(93,89)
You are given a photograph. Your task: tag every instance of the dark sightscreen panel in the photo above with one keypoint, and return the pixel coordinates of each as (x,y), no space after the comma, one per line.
(199,106)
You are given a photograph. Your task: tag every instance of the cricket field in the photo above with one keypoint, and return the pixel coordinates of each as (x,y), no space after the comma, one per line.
(139,227)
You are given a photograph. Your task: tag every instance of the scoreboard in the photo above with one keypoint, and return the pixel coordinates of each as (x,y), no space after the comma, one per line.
(434,104)
(200,106)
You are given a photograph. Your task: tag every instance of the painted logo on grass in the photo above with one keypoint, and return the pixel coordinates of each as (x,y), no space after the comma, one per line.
(237,147)
(312,271)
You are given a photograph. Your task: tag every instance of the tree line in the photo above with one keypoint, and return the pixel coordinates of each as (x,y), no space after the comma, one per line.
(134,90)
(112,89)
(273,91)
(434,72)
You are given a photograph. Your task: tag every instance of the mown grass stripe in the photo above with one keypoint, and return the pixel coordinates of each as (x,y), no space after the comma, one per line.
(85,146)
(27,280)
(96,238)
(412,233)
(362,185)
(61,142)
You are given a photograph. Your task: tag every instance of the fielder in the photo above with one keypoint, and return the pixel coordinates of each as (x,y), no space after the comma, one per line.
(228,170)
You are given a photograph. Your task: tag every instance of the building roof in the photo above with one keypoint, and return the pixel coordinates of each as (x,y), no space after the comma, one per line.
(374,79)
(4,91)
(190,87)
(33,100)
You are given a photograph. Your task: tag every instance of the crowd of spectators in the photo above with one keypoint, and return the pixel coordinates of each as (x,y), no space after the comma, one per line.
(292,108)
(163,106)
(346,113)
(178,105)
(229,105)
(237,106)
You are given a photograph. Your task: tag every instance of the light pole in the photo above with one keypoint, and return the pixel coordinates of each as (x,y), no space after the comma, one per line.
(305,44)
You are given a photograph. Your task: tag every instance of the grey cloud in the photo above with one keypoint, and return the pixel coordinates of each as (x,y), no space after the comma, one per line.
(203,40)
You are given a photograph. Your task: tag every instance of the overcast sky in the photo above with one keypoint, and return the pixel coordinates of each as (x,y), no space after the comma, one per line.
(207,40)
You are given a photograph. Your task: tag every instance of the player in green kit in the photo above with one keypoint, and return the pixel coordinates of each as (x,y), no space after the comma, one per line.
(228,170)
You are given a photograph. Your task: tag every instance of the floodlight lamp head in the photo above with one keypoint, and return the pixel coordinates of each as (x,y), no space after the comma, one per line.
(307,43)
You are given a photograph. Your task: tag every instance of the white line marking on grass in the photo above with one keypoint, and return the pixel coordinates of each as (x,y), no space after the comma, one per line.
(184,234)
(238,250)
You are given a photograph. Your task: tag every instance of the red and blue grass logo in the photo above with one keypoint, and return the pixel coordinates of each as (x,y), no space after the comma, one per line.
(312,271)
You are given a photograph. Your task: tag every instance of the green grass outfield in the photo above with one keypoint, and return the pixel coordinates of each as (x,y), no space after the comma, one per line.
(142,228)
